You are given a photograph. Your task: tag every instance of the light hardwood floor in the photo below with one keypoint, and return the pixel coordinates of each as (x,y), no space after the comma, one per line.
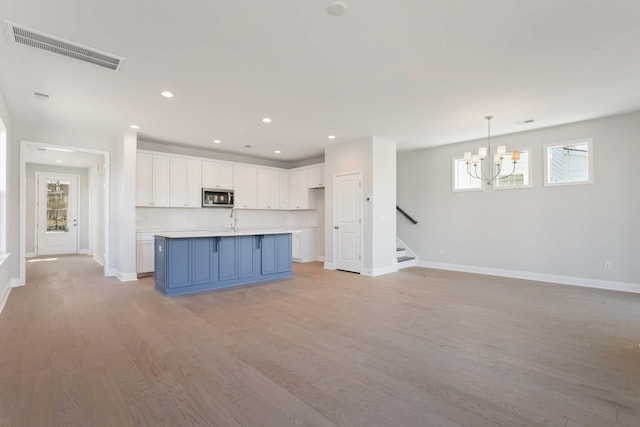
(416,348)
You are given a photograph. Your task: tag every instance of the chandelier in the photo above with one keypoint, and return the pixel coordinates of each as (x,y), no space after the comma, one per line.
(476,160)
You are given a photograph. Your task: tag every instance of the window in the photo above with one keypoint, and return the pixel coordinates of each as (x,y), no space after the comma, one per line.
(462,181)
(57,206)
(569,163)
(521,176)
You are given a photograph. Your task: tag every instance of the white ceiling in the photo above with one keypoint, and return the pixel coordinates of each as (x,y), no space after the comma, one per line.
(52,156)
(418,72)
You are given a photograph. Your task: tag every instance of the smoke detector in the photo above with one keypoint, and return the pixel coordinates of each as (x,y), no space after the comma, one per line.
(337,8)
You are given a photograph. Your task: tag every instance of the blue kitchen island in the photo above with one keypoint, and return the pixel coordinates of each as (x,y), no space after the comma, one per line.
(197,261)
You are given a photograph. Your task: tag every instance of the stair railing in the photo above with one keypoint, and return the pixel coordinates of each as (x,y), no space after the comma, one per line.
(406,215)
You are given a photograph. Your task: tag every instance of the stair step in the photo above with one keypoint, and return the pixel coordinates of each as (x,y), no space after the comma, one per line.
(405,258)
(400,249)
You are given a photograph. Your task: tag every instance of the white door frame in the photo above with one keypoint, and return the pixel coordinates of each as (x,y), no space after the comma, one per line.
(335,216)
(37,209)
(23,202)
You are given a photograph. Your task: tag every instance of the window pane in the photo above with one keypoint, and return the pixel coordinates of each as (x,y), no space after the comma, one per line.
(568,163)
(520,176)
(462,179)
(57,206)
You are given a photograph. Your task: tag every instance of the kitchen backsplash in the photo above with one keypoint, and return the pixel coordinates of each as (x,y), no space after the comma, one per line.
(165,219)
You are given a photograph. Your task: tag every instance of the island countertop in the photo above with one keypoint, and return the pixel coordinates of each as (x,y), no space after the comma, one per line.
(224,233)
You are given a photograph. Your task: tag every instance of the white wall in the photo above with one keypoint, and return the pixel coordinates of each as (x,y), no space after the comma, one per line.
(374,158)
(566,231)
(383,203)
(96,211)
(83,201)
(5,285)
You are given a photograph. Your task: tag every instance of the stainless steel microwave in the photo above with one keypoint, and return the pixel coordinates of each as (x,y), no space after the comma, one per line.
(215,198)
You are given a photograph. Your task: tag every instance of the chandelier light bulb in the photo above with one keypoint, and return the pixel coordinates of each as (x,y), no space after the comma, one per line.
(502,149)
(467,156)
(482,152)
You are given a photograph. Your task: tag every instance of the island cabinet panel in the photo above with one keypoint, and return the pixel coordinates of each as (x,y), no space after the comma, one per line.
(186,265)
(178,253)
(275,254)
(204,260)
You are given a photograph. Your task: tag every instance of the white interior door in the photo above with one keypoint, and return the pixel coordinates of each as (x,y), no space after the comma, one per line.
(348,222)
(57,214)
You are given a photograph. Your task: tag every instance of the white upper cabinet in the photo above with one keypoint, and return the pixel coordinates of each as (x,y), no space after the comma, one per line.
(152,180)
(245,183)
(298,190)
(315,178)
(217,175)
(268,189)
(283,190)
(186,182)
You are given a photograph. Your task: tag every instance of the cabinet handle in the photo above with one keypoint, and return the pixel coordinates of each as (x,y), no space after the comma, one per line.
(216,247)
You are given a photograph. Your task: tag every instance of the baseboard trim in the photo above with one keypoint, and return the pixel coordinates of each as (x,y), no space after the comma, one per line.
(15,282)
(84,252)
(127,277)
(380,271)
(99,260)
(4,298)
(539,277)
(329,266)
(29,254)
(320,259)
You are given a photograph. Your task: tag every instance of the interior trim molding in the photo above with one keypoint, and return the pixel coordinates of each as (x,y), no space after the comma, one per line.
(539,277)
(382,270)
(84,252)
(98,259)
(320,259)
(127,277)
(16,282)
(4,298)
(329,266)
(30,254)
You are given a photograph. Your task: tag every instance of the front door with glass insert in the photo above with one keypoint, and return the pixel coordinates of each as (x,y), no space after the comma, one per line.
(57,208)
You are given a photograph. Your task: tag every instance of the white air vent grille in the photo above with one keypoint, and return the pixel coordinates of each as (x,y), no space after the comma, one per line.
(35,39)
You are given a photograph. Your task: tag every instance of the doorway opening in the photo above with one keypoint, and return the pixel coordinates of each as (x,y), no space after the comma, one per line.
(64,203)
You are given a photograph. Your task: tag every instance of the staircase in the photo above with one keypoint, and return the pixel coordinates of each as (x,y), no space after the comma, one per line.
(406,257)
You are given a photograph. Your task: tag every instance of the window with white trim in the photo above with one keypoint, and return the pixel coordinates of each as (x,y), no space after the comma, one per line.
(568,163)
(521,176)
(462,181)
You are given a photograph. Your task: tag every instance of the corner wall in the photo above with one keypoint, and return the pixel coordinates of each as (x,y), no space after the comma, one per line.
(562,233)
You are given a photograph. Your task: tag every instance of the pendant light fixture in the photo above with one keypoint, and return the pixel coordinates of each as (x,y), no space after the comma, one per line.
(475,160)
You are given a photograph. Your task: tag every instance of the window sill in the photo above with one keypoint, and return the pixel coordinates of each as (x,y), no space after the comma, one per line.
(3,258)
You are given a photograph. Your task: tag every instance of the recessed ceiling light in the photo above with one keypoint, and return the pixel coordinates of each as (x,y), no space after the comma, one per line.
(331,137)
(59,161)
(266,120)
(135,127)
(337,8)
(277,151)
(217,141)
(167,94)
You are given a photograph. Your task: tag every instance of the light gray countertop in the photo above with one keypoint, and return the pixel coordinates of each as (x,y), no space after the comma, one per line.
(224,233)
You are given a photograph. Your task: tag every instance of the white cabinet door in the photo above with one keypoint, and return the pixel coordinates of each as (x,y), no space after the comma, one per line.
(160,181)
(178,190)
(225,176)
(194,183)
(268,189)
(283,190)
(296,251)
(298,190)
(210,175)
(144,256)
(144,174)
(315,177)
(217,175)
(245,180)
(186,182)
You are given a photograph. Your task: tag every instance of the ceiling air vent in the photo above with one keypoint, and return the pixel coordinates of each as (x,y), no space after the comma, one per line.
(38,40)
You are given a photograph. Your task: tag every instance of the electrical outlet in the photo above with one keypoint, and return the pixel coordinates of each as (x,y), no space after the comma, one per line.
(608,265)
